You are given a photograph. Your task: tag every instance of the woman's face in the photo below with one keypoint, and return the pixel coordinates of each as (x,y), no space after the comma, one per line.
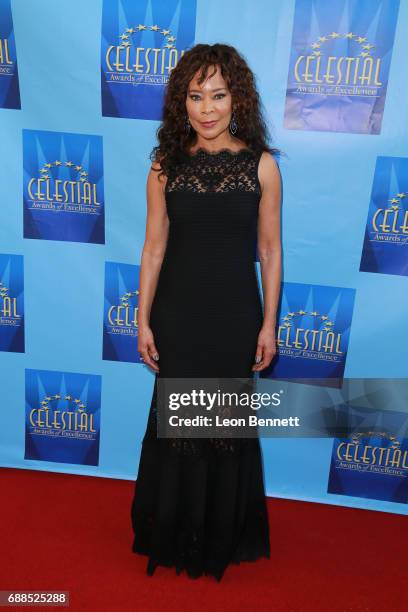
(209,105)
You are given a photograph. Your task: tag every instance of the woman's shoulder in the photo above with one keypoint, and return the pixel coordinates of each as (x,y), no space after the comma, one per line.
(157,177)
(268,160)
(268,170)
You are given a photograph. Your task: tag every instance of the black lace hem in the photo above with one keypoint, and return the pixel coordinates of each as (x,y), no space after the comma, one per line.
(191,556)
(199,503)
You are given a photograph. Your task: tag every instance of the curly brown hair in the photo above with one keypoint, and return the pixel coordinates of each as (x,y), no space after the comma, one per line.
(173,139)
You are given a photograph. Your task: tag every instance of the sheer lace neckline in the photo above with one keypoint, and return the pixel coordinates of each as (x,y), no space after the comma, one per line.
(202,151)
(225,170)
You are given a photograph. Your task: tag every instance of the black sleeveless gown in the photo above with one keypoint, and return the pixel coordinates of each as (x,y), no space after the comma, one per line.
(199,504)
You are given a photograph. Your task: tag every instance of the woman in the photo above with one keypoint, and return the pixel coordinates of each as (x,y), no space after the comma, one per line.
(200,504)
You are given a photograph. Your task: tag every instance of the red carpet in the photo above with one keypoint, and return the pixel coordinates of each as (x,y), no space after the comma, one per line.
(68,532)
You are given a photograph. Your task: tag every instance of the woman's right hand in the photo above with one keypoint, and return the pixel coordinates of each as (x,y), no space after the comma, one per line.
(147,347)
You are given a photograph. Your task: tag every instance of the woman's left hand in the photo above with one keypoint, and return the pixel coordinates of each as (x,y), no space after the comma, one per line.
(265,350)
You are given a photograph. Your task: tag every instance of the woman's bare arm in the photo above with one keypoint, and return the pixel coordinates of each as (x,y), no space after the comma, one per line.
(270,256)
(157,227)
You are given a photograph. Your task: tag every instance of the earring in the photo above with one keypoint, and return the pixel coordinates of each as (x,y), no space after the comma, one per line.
(233,124)
(187,125)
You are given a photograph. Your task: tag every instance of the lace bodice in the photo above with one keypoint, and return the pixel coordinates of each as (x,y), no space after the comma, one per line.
(220,171)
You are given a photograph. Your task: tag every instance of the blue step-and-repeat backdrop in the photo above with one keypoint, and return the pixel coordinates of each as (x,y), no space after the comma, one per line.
(81,92)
